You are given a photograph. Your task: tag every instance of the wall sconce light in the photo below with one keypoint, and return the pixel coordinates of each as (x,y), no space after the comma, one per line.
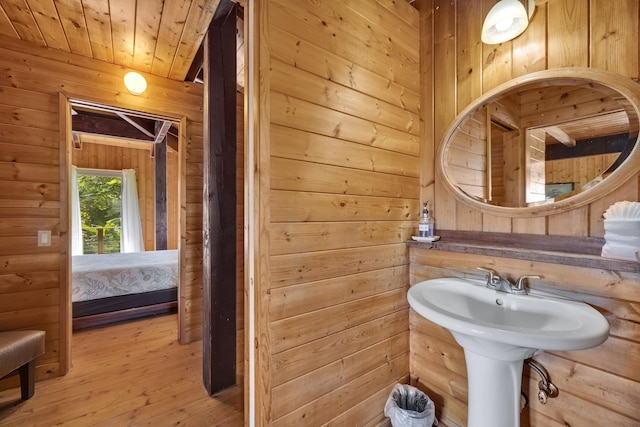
(135,83)
(506,20)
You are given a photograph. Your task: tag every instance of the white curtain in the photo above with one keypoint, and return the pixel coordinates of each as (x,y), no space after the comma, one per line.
(131,232)
(76,221)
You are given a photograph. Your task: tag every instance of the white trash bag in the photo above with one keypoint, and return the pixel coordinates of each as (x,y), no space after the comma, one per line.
(409,407)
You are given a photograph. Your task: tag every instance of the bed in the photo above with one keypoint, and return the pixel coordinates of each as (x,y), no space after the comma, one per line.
(113,287)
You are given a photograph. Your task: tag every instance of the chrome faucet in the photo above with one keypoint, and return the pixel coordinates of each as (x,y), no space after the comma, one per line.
(520,286)
(500,284)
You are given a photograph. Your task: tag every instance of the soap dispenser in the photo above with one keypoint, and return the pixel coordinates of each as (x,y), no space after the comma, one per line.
(425,226)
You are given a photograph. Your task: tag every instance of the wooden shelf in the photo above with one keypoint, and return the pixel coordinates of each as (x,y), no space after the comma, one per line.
(578,251)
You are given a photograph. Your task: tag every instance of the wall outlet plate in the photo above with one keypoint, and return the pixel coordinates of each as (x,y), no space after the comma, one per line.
(44,237)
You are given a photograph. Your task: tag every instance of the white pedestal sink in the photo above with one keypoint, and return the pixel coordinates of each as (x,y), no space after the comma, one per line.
(498,331)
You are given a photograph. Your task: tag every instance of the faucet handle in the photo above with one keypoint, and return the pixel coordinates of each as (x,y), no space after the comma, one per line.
(493,279)
(520,286)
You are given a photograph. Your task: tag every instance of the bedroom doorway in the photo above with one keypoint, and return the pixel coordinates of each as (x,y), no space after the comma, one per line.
(125,173)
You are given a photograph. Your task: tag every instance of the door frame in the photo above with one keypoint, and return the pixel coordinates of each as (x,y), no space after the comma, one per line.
(66,145)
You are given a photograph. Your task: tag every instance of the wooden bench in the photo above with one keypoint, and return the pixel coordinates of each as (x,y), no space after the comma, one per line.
(18,351)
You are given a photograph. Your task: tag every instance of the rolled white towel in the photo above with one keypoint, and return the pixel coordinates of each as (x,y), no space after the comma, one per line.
(627,227)
(619,251)
(623,210)
(622,240)
(622,231)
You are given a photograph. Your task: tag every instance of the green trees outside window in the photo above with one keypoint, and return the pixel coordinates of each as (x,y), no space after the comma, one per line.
(100,211)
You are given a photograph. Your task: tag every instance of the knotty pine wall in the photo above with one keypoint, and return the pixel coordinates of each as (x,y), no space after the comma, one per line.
(580,170)
(339,186)
(33,280)
(598,386)
(117,158)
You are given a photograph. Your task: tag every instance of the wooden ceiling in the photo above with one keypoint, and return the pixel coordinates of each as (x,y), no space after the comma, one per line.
(160,37)
(574,112)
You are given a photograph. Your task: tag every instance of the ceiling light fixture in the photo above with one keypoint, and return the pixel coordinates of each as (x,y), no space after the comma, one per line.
(506,20)
(135,83)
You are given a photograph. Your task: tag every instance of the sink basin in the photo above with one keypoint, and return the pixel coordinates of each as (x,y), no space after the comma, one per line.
(538,321)
(498,331)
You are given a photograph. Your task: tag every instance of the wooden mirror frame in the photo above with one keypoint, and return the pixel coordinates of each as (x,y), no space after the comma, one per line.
(629,168)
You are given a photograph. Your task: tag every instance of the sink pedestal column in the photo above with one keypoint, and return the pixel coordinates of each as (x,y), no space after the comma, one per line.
(494,391)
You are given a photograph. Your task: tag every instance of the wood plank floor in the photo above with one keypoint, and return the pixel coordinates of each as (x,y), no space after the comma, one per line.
(130,374)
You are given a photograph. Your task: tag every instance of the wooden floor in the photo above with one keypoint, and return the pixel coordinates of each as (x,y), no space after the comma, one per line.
(130,374)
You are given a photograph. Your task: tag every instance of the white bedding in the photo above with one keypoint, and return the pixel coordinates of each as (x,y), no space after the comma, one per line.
(107,275)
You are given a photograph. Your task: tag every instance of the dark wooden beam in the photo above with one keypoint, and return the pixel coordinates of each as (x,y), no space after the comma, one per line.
(104,125)
(160,152)
(219,222)
(587,147)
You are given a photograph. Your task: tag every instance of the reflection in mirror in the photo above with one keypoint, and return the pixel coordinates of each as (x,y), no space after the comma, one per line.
(541,142)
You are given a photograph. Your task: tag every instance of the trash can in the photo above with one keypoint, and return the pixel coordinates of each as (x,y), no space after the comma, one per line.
(409,407)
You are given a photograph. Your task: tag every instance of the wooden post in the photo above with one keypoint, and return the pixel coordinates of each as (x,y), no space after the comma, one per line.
(160,150)
(100,240)
(219,212)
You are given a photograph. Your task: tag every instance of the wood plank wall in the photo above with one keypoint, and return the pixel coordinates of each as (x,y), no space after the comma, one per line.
(342,87)
(599,386)
(33,288)
(467,155)
(579,170)
(109,157)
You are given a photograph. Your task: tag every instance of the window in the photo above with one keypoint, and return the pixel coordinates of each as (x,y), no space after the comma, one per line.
(100,210)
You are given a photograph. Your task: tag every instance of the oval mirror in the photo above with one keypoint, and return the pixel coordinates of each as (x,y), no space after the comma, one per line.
(544,142)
